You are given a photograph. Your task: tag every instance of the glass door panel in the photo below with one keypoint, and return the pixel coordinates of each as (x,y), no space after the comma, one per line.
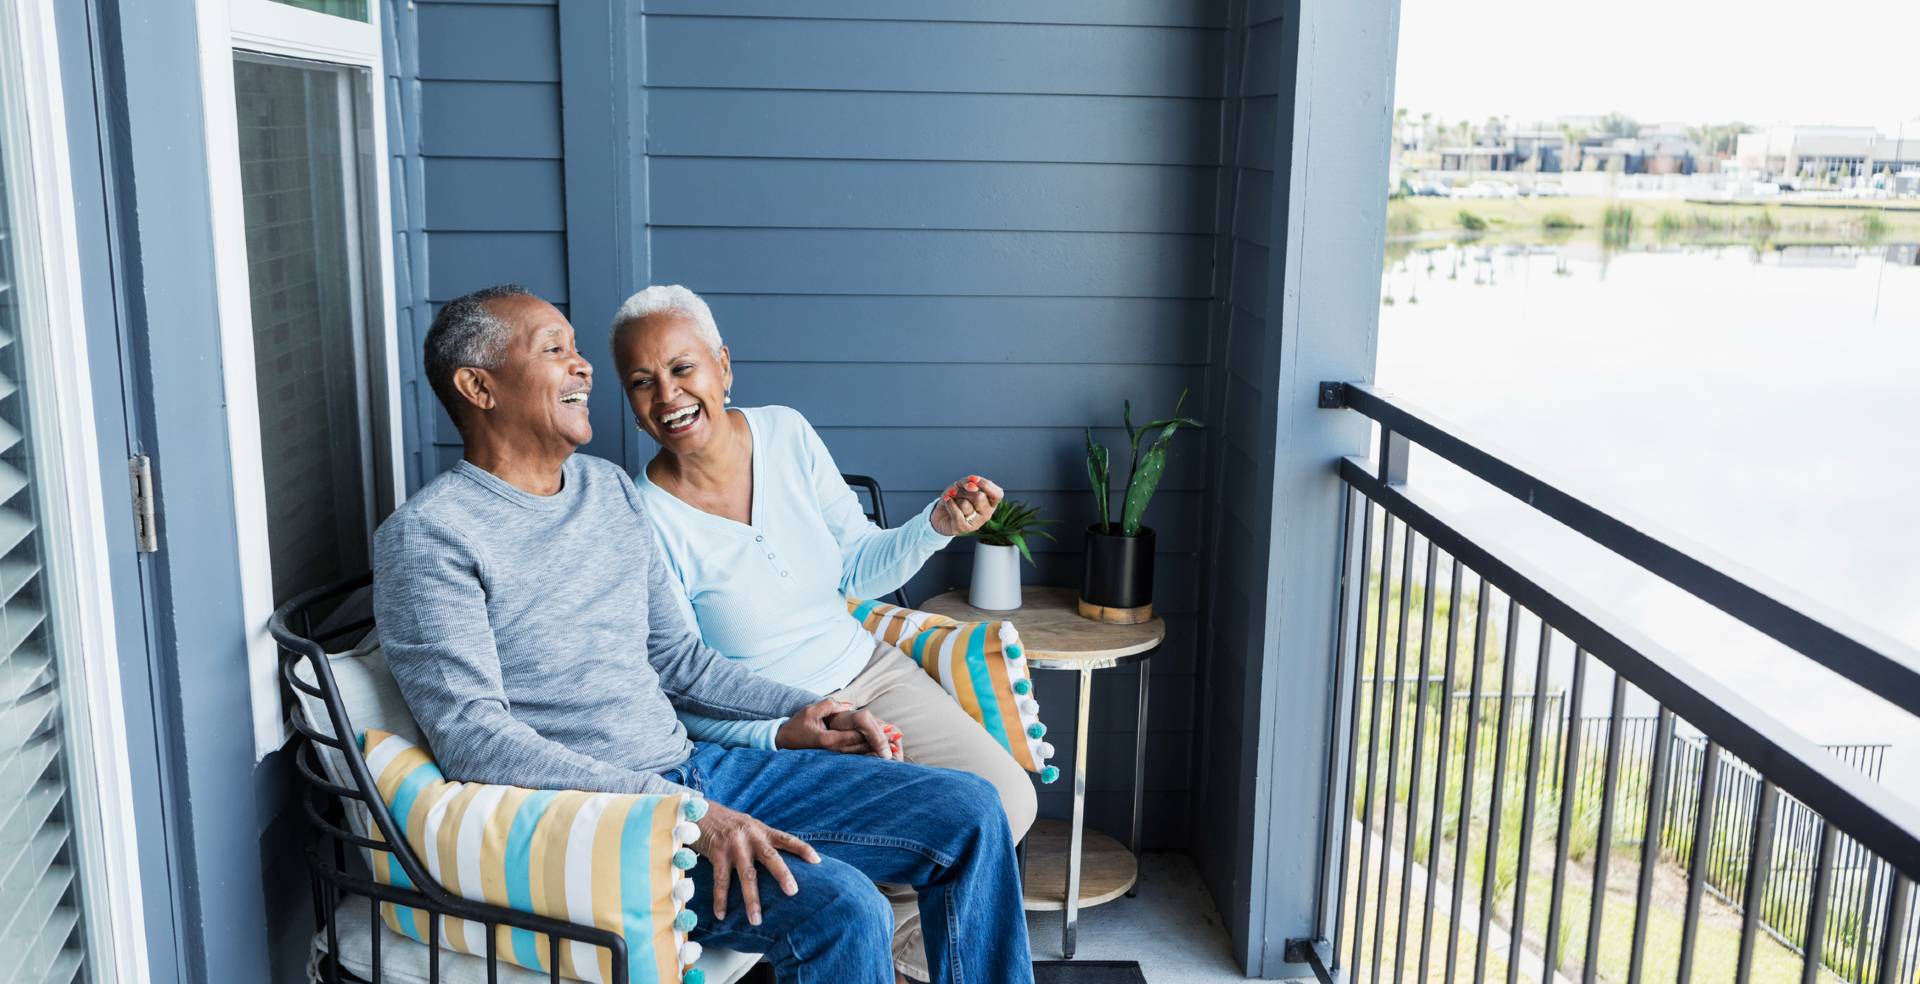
(298,170)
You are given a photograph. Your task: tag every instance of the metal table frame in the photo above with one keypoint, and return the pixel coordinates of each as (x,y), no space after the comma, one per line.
(1069,934)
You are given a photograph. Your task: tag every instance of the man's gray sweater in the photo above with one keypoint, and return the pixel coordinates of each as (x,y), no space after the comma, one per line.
(535,639)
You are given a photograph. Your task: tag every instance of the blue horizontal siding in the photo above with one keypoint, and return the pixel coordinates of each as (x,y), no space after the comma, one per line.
(487,194)
(489,119)
(876,328)
(465,261)
(968,395)
(932,195)
(489,43)
(932,126)
(1023,460)
(844,261)
(1142,13)
(924,56)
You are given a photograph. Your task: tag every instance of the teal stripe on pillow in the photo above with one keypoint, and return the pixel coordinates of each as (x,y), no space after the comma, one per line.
(518,868)
(983,684)
(635,885)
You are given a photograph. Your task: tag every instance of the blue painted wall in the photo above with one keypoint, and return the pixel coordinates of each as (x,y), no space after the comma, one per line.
(952,241)
(1240,465)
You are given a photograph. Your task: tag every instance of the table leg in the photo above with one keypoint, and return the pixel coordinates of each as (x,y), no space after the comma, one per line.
(1139,773)
(1070,932)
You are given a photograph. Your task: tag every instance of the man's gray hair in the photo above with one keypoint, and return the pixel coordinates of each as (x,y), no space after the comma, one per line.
(466,333)
(670,299)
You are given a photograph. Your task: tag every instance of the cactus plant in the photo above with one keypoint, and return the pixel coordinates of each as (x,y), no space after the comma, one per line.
(1144,472)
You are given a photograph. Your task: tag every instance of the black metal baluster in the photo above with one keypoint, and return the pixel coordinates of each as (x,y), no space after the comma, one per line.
(1501,731)
(1393,758)
(1650,842)
(1869,888)
(1759,869)
(493,958)
(1413,773)
(1444,755)
(553,959)
(333,937)
(1569,785)
(1537,723)
(1815,941)
(1373,742)
(1603,848)
(374,928)
(1899,896)
(1353,726)
(1465,830)
(433,946)
(1697,866)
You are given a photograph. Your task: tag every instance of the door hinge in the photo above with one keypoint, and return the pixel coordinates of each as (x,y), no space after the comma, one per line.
(146,530)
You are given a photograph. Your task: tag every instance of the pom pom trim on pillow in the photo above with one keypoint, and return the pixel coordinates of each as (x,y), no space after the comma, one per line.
(980,664)
(595,859)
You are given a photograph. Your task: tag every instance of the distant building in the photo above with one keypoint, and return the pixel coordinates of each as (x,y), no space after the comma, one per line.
(1826,154)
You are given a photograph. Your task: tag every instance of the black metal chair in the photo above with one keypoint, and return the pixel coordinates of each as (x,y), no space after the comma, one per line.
(876,510)
(335,869)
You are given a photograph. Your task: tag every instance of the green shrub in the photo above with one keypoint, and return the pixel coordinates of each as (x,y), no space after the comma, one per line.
(1558,220)
(1617,219)
(1470,222)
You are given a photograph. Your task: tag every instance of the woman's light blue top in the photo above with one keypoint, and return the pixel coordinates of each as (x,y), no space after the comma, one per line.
(771,594)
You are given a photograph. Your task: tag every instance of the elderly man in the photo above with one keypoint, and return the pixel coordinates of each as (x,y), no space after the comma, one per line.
(526,613)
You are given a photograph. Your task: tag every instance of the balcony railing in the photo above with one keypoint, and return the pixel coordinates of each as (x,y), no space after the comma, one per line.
(1477,830)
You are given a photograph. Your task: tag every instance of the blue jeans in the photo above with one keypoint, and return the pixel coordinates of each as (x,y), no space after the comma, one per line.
(940,831)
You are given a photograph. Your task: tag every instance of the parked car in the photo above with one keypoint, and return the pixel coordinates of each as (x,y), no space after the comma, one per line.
(1549,190)
(1433,189)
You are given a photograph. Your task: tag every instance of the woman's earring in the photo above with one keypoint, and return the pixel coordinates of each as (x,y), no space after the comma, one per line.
(639,425)
(726,397)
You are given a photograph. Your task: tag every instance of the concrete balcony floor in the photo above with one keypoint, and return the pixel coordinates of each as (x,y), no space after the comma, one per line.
(1171,928)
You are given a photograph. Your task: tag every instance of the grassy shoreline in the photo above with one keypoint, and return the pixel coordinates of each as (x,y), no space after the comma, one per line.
(1533,219)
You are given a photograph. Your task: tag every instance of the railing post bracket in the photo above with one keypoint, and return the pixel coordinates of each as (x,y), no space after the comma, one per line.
(1333,396)
(1306,950)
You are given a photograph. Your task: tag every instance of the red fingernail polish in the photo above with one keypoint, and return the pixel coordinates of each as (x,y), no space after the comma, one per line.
(973,487)
(948,494)
(973,478)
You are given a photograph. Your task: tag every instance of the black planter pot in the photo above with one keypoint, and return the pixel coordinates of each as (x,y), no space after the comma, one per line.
(1117,585)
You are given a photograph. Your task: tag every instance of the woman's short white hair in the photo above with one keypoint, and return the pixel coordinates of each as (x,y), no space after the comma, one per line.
(669,299)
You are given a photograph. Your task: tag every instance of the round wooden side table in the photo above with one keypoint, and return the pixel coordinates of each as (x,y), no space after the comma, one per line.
(1097,868)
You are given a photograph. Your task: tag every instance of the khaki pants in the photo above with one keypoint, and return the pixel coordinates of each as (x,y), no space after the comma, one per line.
(937,733)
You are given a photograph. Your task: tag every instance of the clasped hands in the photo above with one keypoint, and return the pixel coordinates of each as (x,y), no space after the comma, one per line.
(737,844)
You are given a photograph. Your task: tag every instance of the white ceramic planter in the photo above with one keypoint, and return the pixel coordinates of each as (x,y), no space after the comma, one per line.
(996,578)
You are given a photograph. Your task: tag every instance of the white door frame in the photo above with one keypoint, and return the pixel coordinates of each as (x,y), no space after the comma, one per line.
(75,561)
(227,26)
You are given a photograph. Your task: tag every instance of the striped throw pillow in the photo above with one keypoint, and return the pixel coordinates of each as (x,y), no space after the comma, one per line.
(613,861)
(980,664)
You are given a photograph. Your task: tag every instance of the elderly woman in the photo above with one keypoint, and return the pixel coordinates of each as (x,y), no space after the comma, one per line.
(768,541)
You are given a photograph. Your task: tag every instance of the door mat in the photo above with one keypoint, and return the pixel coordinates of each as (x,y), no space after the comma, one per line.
(1087,972)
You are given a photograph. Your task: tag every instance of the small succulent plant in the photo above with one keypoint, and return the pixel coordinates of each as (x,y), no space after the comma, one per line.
(1143,475)
(1010,526)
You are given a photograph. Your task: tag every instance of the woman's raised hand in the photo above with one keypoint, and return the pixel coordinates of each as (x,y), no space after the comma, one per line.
(966,506)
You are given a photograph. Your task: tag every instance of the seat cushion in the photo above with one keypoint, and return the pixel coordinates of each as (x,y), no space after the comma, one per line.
(616,861)
(372,702)
(403,961)
(979,664)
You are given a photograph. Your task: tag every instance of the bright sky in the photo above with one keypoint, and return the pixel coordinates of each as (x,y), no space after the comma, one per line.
(1758,61)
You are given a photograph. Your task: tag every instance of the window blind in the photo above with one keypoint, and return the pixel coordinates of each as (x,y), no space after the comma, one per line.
(40,911)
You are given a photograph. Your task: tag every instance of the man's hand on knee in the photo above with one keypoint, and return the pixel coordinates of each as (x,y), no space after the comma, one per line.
(735,844)
(837,727)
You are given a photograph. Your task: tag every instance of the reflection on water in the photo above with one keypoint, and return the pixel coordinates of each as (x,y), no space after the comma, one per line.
(1762,402)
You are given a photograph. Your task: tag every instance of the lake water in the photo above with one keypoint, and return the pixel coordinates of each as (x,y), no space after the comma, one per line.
(1764,404)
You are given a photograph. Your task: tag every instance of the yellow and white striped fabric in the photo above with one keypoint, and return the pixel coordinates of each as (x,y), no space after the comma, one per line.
(595,859)
(980,664)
